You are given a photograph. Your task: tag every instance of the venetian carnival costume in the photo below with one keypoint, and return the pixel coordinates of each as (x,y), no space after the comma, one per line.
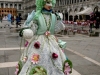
(43,55)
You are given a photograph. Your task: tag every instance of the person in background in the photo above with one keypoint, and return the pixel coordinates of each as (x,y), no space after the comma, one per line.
(0,18)
(91,22)
(18,21)
(12,19)
(5,18)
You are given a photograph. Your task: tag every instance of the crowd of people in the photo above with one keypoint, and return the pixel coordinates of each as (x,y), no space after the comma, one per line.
(11,19)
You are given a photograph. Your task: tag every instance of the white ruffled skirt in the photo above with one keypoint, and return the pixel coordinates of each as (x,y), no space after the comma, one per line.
(42,55)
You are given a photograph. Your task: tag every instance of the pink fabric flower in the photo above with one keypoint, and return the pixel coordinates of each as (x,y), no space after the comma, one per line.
(54,55)
(26,44)
(17,69)
(37,45)
(62,50)
(66,64)
(35,58)
(47,33)
(16,72)
(67,70)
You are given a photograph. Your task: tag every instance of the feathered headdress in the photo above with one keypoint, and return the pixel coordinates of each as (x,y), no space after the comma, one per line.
(41,3)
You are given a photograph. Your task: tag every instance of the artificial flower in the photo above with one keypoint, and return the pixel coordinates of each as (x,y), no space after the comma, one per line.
(26,44)
(17,69)
(38,70)
(35,58)
(24,59)
(54,55)
(37,45)
(66,64)
(47,33)
(67,70)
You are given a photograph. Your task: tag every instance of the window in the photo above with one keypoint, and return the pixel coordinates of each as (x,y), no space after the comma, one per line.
(15,6)
(10,5)
(19,6)
(6,5)
(2,5)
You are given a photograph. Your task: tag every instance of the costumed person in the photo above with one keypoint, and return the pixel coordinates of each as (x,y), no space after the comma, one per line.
(91,22)
(43,53)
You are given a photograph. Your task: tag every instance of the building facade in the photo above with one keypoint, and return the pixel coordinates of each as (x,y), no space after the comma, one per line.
(69,8)
(11,6)
(28,6)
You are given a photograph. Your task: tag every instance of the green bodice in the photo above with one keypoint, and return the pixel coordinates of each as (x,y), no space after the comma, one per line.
(42,27)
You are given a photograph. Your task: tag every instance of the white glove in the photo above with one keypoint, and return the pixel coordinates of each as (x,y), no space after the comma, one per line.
(27,34)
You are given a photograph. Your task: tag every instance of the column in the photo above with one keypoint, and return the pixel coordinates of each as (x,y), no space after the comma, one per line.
(8,5)
(13,5)
(17,6)
(70,1)
(4,5)
(0,5)
(59,2)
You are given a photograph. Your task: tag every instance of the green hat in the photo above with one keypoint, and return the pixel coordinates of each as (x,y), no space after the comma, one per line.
(41,3)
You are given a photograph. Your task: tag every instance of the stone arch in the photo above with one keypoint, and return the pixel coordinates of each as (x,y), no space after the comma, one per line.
(81,9)
(66,11)
(95,8)
(76,18)
(66,15)
(75,10)
(58,10)
(70,10)
(70,18)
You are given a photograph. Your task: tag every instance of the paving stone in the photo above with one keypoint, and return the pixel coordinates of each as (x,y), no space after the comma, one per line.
(2,58)
(4,71)
(82,65)
(1,52)
(12,71)
(12,58)
(12,52)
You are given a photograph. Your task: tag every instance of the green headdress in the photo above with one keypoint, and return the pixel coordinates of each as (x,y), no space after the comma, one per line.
(41,3)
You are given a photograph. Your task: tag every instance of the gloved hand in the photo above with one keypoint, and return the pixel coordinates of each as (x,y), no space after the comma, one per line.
(21,31)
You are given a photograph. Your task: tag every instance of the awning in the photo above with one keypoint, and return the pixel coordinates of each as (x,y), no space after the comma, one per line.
(61,15)
(72,13)
(87,11)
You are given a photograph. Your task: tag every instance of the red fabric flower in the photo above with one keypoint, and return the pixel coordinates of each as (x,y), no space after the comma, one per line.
(26,44)
(37,45)
(54,55)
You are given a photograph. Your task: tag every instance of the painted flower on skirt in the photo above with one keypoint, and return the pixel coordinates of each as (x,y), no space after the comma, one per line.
(35,58)
(38,70)
(37,45)
(47,33)
(24,59)
(17,69)
(54,55)
(67,69)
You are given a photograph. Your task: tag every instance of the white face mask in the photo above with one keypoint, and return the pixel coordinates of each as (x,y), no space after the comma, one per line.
(48,3)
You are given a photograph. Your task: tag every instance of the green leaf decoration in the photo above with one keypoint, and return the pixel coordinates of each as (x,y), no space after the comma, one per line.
(70,64)
(20,66)
(38,70)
